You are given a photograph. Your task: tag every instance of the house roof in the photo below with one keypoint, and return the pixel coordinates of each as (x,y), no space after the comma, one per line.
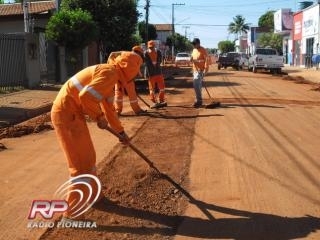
(13,9)
(163,27)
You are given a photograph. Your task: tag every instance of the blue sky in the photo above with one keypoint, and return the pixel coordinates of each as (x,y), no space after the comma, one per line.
(208,19)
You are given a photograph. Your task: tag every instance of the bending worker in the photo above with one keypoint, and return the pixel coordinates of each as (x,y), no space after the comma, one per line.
(128,86)
(199,58)
(89,92)
(153,59)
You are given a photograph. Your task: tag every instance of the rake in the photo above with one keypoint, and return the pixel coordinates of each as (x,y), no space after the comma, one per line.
(212,104)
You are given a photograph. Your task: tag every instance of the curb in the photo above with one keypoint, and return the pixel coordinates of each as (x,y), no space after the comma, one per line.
(17,116)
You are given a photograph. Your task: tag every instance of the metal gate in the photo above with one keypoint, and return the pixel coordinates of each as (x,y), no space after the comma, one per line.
(48,61)
(12,62)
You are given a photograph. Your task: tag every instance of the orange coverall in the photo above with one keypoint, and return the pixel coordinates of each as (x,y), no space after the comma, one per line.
(89,92)
(153,61)
(129,87)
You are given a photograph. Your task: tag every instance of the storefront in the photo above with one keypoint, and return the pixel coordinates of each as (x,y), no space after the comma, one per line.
(297,38)
(283,25)
(310,34)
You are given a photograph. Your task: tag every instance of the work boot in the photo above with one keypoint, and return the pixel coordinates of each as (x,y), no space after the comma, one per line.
(163,104)
(156,105)
(197,104)
(142,112)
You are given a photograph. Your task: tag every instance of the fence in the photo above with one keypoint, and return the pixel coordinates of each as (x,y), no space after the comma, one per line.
(12,62)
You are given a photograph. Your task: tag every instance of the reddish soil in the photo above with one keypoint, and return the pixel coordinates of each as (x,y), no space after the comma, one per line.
(249,172)
(34,125)
(146,205)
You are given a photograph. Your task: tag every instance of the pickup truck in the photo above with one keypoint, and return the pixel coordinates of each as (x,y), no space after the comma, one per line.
(267,59)
(230,59)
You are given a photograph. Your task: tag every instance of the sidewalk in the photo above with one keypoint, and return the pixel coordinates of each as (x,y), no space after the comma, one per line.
(309,74)
(20,106)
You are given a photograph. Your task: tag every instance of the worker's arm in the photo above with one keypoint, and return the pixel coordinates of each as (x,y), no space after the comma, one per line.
(206,62)
(98,91)
(90,104)
(111,115)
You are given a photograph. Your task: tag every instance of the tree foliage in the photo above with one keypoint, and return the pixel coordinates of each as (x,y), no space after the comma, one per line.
(270,40)
(116,21)
(267,20)
(238,26)
(226,46)
(72,29)
(305,4)
(181,43)
(152,32)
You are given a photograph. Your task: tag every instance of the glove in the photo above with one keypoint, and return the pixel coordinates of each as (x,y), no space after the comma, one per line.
(102,123)
(123,138)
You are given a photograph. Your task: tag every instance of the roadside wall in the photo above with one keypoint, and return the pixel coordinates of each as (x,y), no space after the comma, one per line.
(19,61)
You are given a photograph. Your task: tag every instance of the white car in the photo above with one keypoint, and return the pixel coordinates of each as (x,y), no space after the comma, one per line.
(183,59)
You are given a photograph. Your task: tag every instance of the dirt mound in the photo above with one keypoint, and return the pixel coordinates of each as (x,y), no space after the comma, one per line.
(297,79)
(316,88)
(2,147)
(145,205)
(34,125)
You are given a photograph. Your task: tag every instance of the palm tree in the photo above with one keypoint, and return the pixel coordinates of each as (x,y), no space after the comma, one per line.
(238,26)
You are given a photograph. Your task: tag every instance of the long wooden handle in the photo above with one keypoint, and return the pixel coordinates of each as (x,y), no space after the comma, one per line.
(136,150)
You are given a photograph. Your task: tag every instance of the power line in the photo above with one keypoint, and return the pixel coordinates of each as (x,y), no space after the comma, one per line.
(204,25)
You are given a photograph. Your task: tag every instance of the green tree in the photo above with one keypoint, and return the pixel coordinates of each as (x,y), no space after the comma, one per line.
(116,21)
(304,4)
(238,26)
(226,46)
(267,20)
(152,32)
(181,43)
(72,29)
(271,40)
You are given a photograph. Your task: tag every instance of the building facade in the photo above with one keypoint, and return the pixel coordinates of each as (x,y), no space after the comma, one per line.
(301,42)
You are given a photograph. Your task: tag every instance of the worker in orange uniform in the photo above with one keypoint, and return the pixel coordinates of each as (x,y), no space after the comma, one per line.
(89,92)
(128,86)
(200,66)
(153,60)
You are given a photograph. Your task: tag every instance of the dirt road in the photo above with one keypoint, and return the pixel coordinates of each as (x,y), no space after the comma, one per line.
(248,170)
(256,169)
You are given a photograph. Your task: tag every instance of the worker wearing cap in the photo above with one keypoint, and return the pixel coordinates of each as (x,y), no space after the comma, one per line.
(153,60)
(89,92)
(200,66)
(128,86)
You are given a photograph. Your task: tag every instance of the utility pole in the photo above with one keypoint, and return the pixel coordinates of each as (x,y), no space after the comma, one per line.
(185,31)
(173,38)
(25,15)
(147,20)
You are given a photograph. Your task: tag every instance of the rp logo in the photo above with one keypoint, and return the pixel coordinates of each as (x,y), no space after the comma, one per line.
(47,208)
(86,187)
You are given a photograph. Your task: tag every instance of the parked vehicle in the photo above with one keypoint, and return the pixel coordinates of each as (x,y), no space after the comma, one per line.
(244,61)
(183,59)
(230,59)
(267,59)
